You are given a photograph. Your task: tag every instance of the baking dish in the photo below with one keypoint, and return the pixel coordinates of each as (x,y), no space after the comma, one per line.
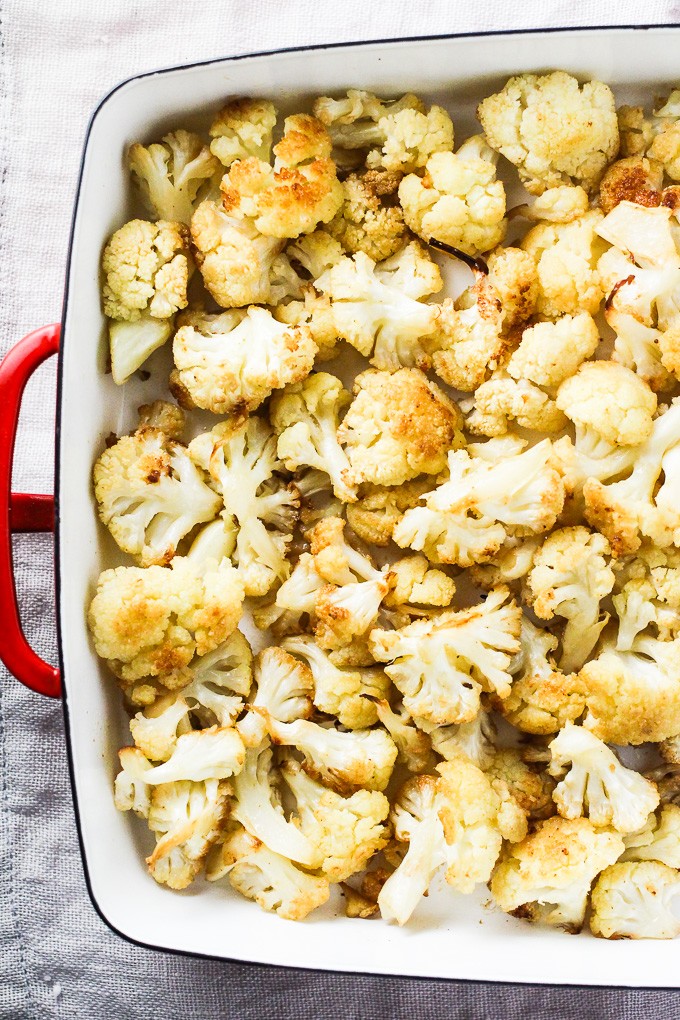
(451,936)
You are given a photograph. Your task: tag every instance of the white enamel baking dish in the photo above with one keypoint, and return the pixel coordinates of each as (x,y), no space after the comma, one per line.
(451,936)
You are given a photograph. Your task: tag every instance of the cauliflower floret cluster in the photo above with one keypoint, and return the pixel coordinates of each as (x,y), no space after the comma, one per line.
(462,595)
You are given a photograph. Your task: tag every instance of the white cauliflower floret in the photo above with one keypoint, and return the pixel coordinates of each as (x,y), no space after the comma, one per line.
(398,426)
(551,352)
(187,818)
(306,419)
(236,262)
(146,269)
(298,192)
(554,130)
(150,494)
(542,699)
(171,173)
(365,223)
(569,578)
(345,761)
(513,562)
(241,129)
(624,510)
(345,831)
(219,681)
(658,839)
(151,621)
(635,901)
(566,257)
(644,233)
(633,696)
(230,363)
(473,740)
(242,462)
(560,204)
(376,307)
(156,729)
(442,664)
(130,792)
(399,133)
(611,400)
(417,584)
(348,694)
(414,745)
(547,877)
(465,520)
(597,784)
(257,806)
(502,400)
(284,689)
(213,753)
(458,201)
(260,874)
(295,600)
(451,819)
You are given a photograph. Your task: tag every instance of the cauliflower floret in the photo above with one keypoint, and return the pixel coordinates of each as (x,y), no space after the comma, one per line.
(234,259)
(550,352)
(547,877)
(566,257)
(569,578)
(465,519)
(658,839)
(476,331)
(473,740)
(150,494)
(404,135)
(345,761)
(295,601)
(258,873)
(242,462)
(458,201)
(345,831)
(560,204)
(635,901)
(348,694)
(241,129)
(230,363)
(213,753)
(634,179)
(306,418)
(502,400)
(665,146)
(298,192)
(379,508)
(186,818)
(414,746)
(597,784)
(417,584)
(610,399)
(633,696)
(624,510)
(542,699)
(366,224)
(131,343)
(377,307)
(513,562)
(164,416)
(649,595)
(146,268)
(284,690)
(635,130)
(525,783)
(150,621)
(171,174)
(398,426)
(442,664)
(554,130)
(451,819)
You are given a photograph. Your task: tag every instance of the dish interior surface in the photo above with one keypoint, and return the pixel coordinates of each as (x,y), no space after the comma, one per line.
(451,935)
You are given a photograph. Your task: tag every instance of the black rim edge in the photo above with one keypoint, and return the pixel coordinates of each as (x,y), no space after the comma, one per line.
(353,44)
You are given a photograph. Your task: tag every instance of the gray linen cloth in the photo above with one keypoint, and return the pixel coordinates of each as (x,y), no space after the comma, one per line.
(57,958)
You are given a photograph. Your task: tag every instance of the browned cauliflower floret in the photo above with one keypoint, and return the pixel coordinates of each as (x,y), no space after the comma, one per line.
(298,192)
(529,786)
(398,426)
(234,259)
(515,280)
(163,415)
(150,494)
(230,363)
(547,877)
(379,508)
(566,256)
(554,130)
(147,622)
(241,129)
(418,584)
(634,179)
(550,352)
(611,400)
(364,222)
(503,399)
(170,174)
(457,201)
(665,146)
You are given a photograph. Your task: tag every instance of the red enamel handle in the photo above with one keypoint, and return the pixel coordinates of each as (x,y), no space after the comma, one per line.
(21,511)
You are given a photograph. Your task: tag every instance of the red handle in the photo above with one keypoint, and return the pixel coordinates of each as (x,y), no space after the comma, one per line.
(20,511)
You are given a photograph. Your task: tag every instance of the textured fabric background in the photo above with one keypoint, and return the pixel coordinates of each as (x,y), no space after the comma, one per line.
(57,959)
